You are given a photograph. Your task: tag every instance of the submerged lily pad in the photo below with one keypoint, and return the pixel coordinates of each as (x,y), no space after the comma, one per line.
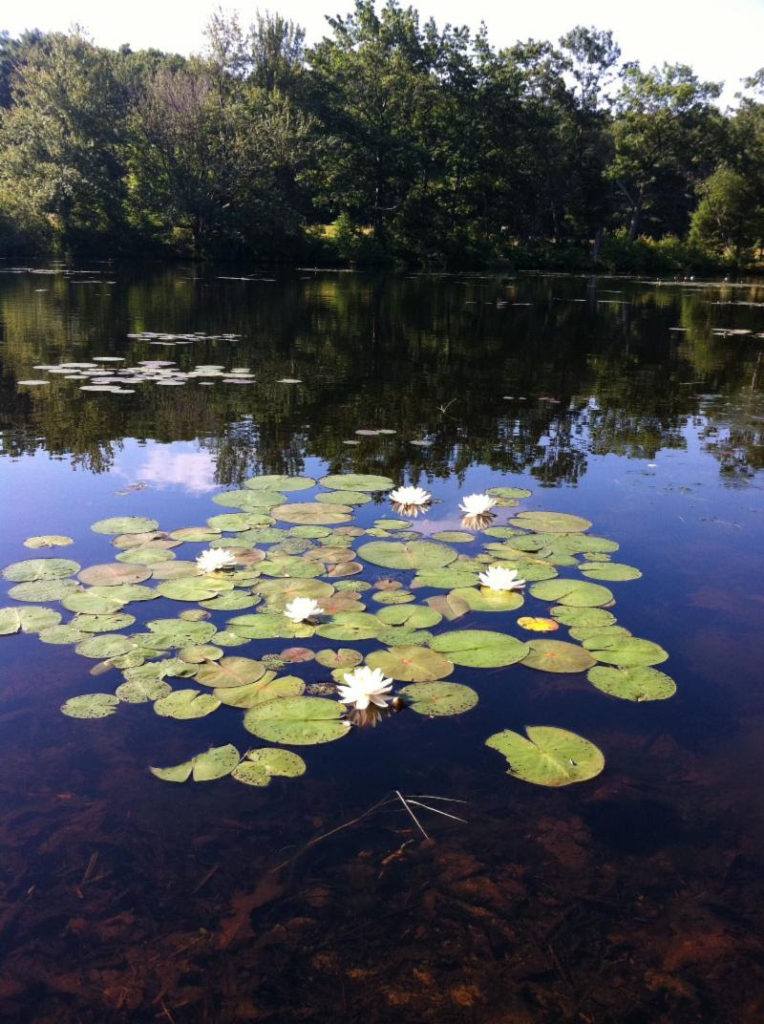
(637,684)
(357,482)
(91,705)
(297,721)
(577,593)
(439,699)
(40,569)
(549,756)
(411,664)
(124,524)
(418,555)
(480,648)
(557,656)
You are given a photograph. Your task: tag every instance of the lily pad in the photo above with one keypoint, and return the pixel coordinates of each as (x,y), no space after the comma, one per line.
(297,720)
(234,601)
(182,631)
(439,699)
(91,604)
(251,774)
(351,626)
(446,579)
(215,763)
(345,658)
(105,645)
(124,524)
(102,623)
(230,672)
(453,537)
(186,704)
(27,620)
(613,572)
(393,597)
(266,626)
(275,761)
(357,482)
(550,522)
(413,616)
(311,513)
(42,590)
(343,498)
(449,606)
(636,684)
(582,616)
(549,756)
(40,569)
(187,588)
(111,574)
(279,482)
(626,651)
(91,705)
(266,689)
(51,540)
(142,691)
(411,664)
(249,500)
(64,635)
(577,593)
(557,656)
(482,599)
(537,624)
(419,555)
(174,773)
(479,648)
(510,493)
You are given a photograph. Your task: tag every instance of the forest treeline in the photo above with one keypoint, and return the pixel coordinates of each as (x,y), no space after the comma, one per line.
(389,141)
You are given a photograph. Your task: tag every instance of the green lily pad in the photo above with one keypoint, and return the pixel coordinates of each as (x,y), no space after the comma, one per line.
(42,590)
(230,672)
(278,593)
(453,537)
(636,684)
(582,616)
(446,579)
(277,762)
(343,498)
(566,543)
(187,588)
(290,566)
(173,569)
(357,482)
(198,654)
(626,651)
(215,763)
(614,572)
(279,482)
(111,574)
(503,532)
(550,522)
(411,664)
(182,631)
(345,658)
(414,616)
(311,513)
(448,606)
(310,532)
(342,603)
(596,633)
(510,493)
(174,773)
(403,636)
(482,599)
(125,524)
(549,756)
(91,705)
(27,620)
(266,689)
(105,645)
(437,699)
(66,634)
(91,604)
(142,691)
(50,540)
(297,720)
(249,500)
(267,626)
(557,656)
(419,555)
(393,597)
(480,648)
(577,593)
(196,535)
(350,626)
(340,569)
(235,601)
(251,774)
(126,593)
(234,522)
(39,569)
(186,704)
(102,623)
(143,556)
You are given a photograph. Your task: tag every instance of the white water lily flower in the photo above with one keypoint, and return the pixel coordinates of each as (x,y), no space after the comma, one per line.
(417,496)
(477,504)
(301,608)
(498,577)
(215,558)
(364,686)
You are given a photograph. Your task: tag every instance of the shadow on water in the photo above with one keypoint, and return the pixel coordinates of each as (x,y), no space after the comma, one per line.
(637,896)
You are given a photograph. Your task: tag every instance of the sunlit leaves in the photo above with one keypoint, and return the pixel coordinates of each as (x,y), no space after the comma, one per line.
(549,756)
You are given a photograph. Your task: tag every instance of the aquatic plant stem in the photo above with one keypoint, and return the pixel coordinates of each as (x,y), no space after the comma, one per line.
(414,817)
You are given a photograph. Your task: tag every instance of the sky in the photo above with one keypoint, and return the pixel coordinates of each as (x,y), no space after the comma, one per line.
(720,41)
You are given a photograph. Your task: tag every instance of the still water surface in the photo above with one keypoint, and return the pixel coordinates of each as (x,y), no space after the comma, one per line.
(634,897)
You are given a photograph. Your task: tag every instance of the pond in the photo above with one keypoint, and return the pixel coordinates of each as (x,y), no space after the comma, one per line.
(393,866)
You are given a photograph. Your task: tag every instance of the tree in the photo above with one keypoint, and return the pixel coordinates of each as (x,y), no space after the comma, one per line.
(730,215)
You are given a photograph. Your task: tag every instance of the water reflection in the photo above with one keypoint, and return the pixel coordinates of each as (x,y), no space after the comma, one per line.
(463,370)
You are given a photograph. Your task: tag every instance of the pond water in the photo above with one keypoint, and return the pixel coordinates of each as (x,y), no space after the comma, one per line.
(634,896)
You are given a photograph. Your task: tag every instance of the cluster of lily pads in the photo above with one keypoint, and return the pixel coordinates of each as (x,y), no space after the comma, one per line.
(294,570)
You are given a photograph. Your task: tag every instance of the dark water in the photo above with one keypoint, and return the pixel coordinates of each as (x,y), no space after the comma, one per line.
(635,897)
